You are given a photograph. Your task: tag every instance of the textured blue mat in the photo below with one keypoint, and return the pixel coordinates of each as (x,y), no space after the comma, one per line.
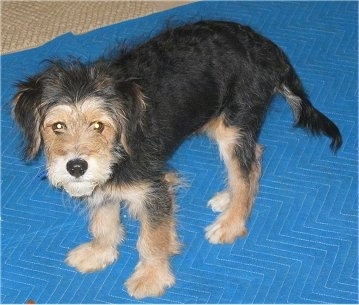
(303,233)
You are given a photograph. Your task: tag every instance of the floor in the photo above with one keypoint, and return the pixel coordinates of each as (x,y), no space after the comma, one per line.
(29,23)
(302,245)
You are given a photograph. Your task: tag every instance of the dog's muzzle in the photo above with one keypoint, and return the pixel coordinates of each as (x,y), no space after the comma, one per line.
(78,176)
(77,167)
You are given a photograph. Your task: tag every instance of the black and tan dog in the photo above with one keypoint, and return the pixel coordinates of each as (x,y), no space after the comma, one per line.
(108,128)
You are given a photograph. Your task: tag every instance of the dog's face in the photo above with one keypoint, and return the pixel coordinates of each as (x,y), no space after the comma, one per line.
(80,119)
(79,141)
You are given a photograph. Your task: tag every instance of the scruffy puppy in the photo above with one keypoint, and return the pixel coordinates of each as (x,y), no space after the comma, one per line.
(108,128)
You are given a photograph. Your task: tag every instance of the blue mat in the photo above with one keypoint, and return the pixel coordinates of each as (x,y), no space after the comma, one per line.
(302,245)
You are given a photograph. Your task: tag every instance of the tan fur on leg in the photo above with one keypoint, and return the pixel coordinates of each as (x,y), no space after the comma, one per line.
(236,206)
(255,174)
(102,251)
(153,274)
(220,201)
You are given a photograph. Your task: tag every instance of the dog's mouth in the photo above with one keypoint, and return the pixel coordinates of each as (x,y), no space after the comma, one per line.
(81,186)
(78,188)
(78,177)
(77,185)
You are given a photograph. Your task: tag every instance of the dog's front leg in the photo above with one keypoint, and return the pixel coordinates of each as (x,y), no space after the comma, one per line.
(102,250)
(157,243)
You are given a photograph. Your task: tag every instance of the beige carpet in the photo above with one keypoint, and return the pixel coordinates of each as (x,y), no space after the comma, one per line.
(27,24)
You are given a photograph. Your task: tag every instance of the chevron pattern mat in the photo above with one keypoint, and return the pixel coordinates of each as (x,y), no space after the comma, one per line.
(302,245)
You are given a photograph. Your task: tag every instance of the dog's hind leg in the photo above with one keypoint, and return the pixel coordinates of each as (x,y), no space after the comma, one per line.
(156,244)
(102,250)
(242,157)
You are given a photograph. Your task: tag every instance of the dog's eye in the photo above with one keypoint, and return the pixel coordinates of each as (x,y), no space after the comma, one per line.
(58,127)
(98,126)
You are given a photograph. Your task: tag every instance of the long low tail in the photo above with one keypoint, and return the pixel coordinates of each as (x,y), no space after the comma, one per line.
(306,115)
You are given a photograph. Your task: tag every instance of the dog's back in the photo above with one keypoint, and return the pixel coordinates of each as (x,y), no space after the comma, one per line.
(197,72)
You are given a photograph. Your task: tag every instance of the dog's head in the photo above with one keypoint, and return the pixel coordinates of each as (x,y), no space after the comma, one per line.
(82,118)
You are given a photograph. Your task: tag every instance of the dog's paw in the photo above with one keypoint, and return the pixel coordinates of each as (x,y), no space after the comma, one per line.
(90,257)
(150,280)
(220,201)
(224,232)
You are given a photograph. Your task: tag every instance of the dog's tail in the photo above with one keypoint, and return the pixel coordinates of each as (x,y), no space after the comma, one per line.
(306,115)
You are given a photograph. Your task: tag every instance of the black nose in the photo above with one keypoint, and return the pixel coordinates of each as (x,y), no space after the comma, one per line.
(77,167)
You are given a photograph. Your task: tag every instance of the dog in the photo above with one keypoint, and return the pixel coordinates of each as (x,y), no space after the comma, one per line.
(108,127)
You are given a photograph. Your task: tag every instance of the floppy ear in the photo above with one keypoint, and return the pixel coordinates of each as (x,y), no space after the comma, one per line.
(26,105)
(137,107)
(131,118)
